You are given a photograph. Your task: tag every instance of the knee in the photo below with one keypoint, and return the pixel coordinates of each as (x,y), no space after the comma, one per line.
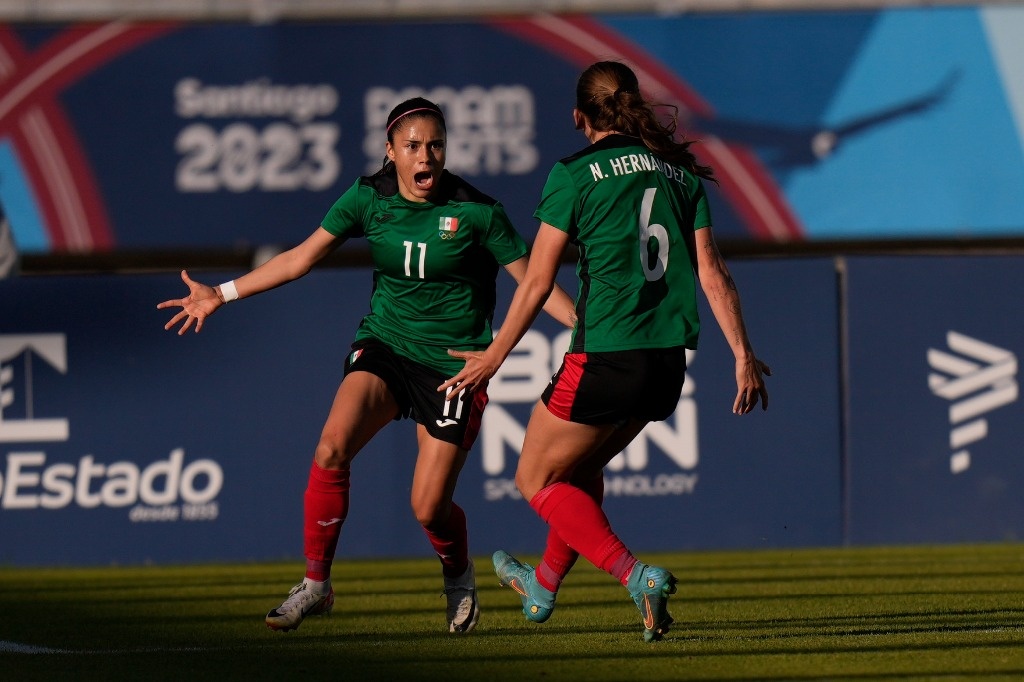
(332,455)
(527,485)
(430,512)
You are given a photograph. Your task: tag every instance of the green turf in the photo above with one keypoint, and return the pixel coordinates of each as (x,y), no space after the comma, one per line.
(917,613)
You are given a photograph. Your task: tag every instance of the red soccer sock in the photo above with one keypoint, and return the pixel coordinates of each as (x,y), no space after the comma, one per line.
(451,542)
(559,558)
(582,524)
(324,510)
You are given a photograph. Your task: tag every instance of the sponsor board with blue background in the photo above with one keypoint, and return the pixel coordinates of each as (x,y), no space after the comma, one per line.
(198,447)
(123,443)
(895,415)
(936,423)
(834,125)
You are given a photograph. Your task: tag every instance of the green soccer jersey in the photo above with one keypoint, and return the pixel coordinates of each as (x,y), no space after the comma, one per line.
(435,265)
(627,211)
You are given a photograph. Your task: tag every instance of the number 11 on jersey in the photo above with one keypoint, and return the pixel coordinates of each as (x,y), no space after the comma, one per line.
(408,258)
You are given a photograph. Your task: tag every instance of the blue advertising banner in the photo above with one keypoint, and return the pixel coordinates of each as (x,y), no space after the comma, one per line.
(704,478)
(937,420)
(124,443)
(162,135)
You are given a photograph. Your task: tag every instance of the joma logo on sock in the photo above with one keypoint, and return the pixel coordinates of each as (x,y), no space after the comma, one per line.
(976,377)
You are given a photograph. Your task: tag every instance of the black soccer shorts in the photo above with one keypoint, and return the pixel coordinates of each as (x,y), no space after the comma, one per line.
(414,387)
(612,387)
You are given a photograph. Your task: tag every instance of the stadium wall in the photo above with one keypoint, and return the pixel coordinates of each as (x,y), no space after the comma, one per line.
(846,144)
(894,418)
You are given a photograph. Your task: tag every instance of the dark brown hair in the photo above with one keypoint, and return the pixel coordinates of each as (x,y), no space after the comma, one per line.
(417,107)
(608,94)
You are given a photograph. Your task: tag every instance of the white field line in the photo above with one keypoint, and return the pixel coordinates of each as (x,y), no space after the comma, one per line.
(8,647)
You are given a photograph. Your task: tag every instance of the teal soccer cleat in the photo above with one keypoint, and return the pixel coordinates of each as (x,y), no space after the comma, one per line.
(650,587)
(538,602)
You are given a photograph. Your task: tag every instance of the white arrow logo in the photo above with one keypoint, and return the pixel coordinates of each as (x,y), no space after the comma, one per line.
(978,380)
(53,349)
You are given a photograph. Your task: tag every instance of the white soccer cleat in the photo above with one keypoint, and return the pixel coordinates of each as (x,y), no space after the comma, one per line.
(301,602)
(463,609)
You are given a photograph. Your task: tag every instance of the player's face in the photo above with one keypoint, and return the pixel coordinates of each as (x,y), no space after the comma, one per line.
(418,152)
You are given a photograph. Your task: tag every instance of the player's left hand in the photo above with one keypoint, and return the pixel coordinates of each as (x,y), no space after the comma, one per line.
(750,386)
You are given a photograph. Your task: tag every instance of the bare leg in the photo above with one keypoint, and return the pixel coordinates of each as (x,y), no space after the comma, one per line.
(552,451)
(362,407)
(559,558)
(438,465)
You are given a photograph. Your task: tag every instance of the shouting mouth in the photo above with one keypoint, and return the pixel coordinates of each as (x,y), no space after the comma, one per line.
(424,180)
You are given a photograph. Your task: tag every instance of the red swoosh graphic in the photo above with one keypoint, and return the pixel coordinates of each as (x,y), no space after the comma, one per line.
(63,184)
(749,187)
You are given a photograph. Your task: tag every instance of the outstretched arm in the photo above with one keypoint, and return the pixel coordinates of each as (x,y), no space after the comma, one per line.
(558,305)
(203,300)
(721,292)
(532,292)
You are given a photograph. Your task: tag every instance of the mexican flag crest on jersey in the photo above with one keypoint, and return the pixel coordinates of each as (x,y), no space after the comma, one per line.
(448,227)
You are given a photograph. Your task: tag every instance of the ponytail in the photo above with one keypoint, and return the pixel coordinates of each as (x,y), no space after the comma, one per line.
(608,95)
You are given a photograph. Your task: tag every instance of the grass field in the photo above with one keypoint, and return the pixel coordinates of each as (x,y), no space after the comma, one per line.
(916,613)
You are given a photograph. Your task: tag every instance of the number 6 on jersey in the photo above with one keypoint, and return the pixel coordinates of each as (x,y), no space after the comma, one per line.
(657,271)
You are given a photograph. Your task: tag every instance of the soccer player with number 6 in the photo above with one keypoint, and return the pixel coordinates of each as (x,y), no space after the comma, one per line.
(634,204)
(436,243)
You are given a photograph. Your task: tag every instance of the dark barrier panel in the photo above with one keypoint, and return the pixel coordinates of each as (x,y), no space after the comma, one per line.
(936,427)
(172,449)
(705,478)
(123,443)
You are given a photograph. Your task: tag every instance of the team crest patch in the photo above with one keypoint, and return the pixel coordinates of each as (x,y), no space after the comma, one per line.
(448,227)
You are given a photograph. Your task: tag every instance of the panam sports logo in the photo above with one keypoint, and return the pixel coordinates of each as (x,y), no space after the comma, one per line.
(491,130)
(635,472)
(164,490)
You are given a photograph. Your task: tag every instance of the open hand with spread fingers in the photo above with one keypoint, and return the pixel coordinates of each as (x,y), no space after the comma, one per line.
(201,302)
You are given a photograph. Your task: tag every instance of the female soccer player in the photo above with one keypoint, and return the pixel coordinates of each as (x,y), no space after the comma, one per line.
(436,243)
(634,204)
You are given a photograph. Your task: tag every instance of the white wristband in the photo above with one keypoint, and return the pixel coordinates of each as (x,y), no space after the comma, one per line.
(228,291)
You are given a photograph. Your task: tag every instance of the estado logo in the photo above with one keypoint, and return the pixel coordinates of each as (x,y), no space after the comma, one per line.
(632,473)
(27,482)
